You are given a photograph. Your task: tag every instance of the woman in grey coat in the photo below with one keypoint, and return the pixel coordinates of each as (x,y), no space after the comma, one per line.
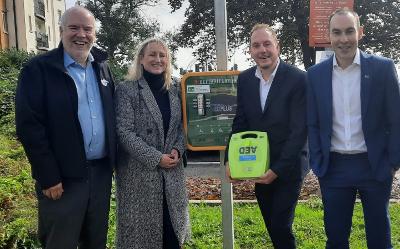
(152,202)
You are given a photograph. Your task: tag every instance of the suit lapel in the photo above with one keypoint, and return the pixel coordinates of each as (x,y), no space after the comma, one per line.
(365,83)
(56,59)
(174,106)
(254,88)
(274,90)
(324,84)
(151,104)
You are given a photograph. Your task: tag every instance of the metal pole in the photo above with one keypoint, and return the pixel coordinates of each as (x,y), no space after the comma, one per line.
(15,26)
(221,34)
(227,207)
(222,65)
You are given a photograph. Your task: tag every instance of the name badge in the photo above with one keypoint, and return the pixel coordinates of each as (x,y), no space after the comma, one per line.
(104,82)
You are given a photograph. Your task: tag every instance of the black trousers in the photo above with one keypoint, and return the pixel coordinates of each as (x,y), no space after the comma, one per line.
(170,241)
(80,217)
(277,202)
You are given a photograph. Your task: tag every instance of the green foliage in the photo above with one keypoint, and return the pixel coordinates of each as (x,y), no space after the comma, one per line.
(17,200)
(11,61)
(395,224)
(112,222)
(13,58)
(20,233)
(123,26)
(18,212)
(314,202)
(7,123)
(118,70)
(8,85)
(10,152)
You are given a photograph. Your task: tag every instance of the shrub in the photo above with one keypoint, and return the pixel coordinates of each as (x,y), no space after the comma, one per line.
(119,71)
(7,124)
(11,62)
(14,58)
(18,220)
(18,211)
(8,84)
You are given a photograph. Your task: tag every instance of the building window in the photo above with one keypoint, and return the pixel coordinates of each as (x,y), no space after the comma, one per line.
(5,23)
(59,15)
(49,33)
(30,24)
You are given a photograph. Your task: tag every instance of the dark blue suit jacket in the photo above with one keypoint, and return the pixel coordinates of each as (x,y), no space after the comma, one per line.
(380,103)
(283,118)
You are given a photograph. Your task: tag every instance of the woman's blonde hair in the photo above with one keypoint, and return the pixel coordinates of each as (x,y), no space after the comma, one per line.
(136,69)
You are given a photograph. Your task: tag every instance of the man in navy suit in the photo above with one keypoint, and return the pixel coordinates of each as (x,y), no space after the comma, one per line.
(354,133)
(271,97)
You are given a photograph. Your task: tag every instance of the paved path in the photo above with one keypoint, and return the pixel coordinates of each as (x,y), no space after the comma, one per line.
(203,164)
(212,170)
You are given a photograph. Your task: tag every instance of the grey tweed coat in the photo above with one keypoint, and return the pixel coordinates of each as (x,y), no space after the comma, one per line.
(139,178)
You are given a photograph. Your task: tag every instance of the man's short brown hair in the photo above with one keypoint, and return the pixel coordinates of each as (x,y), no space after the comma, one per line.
(344,11)
(265,27)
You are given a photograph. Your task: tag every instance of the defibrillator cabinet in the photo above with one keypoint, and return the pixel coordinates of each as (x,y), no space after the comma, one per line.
(209,106)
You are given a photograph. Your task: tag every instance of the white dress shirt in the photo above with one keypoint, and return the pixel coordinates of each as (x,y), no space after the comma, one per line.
(265,85)
(347,133)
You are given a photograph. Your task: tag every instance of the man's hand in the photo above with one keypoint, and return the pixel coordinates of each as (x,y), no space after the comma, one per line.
(267,178)
(54,192)
(228,174)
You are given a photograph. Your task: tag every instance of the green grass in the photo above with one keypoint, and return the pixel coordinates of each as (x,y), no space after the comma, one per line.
(250,231)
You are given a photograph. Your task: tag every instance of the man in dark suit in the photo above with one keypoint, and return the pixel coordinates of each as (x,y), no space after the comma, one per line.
(65,122)
(271,98)
(354,133)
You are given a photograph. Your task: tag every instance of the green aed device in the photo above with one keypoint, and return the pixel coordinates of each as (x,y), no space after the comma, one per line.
(248,154)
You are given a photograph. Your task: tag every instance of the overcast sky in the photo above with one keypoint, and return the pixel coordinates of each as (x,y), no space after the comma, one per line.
(69,3)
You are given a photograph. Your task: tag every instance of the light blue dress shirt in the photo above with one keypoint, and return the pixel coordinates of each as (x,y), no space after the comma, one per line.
(90,107)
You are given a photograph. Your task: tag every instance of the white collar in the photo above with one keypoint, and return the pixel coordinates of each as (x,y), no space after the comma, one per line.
(272,76)
(356,59)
